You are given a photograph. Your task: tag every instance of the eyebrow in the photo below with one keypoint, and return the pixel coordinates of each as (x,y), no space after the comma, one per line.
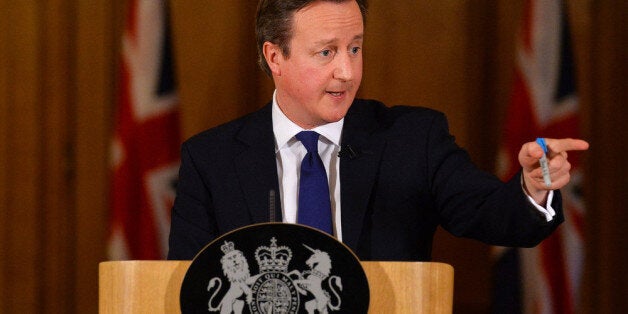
(333,40)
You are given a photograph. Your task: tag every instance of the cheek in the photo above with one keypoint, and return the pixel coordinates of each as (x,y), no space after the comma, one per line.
(357,72)
(312,78)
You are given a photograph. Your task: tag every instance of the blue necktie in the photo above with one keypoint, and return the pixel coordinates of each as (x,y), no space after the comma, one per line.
(314,205)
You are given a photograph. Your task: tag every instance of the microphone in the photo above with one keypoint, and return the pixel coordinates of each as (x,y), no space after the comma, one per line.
(271,206)
(348,151)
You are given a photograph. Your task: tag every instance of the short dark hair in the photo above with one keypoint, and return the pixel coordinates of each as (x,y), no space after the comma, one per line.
(273,23)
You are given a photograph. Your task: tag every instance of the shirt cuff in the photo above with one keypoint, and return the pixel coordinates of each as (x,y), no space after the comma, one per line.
(547,211)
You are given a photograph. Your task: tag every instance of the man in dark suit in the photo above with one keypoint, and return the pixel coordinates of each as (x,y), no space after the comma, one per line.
(394,174)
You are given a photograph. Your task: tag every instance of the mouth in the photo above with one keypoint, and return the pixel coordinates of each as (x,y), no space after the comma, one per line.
(336,94)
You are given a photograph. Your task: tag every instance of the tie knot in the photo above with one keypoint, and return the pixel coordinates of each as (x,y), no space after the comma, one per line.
(309,139)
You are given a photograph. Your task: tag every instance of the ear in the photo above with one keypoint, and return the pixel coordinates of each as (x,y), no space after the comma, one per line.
(273,56)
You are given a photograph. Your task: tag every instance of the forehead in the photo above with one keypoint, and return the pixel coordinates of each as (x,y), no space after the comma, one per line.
(325,17)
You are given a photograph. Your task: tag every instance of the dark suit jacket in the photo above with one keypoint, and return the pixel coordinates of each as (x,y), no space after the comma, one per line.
(406,177)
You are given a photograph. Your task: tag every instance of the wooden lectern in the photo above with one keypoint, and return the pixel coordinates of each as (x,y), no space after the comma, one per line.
(395,287)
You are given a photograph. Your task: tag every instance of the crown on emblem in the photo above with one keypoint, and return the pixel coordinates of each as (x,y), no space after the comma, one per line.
(273,258)
(227,247)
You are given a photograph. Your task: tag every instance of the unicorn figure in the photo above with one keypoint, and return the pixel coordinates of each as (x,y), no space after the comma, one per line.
(312,281)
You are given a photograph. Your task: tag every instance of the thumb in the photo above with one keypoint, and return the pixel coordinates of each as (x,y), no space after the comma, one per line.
(530,154)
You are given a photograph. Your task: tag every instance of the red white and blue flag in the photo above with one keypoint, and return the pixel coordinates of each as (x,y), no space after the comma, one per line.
(145,146)
(544,279)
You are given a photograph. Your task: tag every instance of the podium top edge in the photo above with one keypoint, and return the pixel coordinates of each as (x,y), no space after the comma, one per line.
(442,264)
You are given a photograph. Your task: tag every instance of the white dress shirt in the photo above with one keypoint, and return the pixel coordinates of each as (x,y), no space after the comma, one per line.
(290,152)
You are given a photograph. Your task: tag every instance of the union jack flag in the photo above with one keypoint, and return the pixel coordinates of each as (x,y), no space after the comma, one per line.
(145,146)
(544,279)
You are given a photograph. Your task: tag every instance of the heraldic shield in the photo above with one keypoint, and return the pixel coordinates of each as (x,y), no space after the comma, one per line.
(275,268)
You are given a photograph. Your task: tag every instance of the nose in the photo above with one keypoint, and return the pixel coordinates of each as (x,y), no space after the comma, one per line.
(344,67)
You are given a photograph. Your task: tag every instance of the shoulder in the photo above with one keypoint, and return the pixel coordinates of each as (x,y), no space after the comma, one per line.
(226,135)
(385,117)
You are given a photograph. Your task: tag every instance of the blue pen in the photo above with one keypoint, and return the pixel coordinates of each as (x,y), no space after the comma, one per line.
(543,162)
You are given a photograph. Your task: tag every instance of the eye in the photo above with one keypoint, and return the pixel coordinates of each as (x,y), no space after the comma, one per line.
(355,50)
(325,53)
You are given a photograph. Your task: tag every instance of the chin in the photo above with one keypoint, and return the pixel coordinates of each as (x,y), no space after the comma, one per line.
(337,115)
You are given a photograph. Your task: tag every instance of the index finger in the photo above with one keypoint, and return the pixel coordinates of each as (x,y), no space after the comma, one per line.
(565,144)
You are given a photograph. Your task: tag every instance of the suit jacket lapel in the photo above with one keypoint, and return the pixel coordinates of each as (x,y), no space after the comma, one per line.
(257,166)
(358,174)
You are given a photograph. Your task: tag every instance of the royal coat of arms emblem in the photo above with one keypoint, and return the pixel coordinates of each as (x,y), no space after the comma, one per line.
(276,289)
(286,275)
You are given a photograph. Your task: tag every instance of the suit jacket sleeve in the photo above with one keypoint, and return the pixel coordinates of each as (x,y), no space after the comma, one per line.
(192,226)
(475,204)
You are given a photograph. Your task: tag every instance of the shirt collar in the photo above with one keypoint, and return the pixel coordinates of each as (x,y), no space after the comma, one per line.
(285,130)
